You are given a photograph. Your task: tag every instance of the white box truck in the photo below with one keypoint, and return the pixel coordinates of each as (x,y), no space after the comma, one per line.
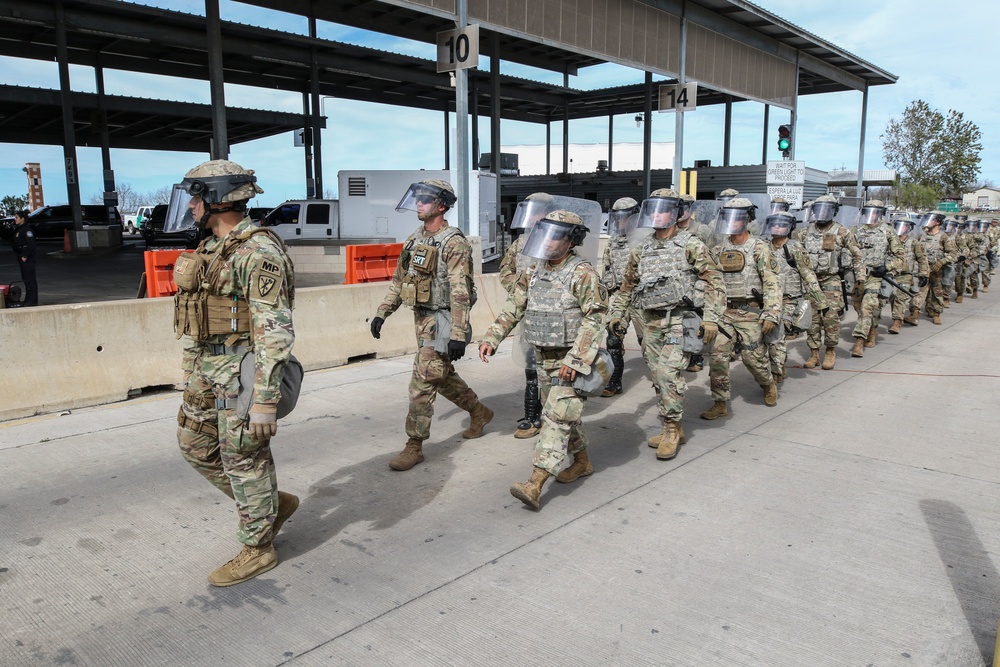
(366,210)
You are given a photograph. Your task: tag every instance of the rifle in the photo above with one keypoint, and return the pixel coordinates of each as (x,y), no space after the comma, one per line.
(892,281)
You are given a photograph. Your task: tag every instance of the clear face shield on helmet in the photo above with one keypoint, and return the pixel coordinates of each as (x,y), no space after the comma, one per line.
(424,193)
(732,221)
(902,227)
(983,226)
(180,216)
(659,212)
(928,219)
(950,226)
(549,239)
(778,225)
(621,223)
(778,207)
(530,211)
(870,215)
(822,211)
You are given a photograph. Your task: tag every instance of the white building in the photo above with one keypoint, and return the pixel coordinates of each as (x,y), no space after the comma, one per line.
(983,199)
(583,158)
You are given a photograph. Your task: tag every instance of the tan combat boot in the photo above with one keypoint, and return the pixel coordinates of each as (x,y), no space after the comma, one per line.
(986,289)
(914,317)
(813,360)
(669,440)
(481,416)
(946,302)
(249,562)
(411,455)
(896,326)
(958,299)
(872,336)
(771,394)
(654,441)
(529,492)
(975,292)
(829,359)
(287,504)
(859,347)
(580,468)
(936,318)
(717,410)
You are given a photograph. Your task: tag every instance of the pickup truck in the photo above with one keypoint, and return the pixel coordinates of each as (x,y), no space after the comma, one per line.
(133,221)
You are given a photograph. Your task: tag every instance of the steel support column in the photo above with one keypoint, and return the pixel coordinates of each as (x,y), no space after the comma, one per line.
(69,131)
(217,84)
(861,149)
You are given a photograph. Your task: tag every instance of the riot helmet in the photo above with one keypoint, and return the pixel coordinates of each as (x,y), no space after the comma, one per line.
(426,192)
(984,226)
(779,205)
(531,210)
(871,213)
(824,209)
(727,194)
(932,219)
(779,224)
(619,215)
(660,210)
(951,226)
(214,183)
(554,235)
(903,227)
(735,216)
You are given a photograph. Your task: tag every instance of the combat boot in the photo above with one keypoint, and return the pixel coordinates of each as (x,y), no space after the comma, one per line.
(287,504)
(872,336)
(481,416)
(771,394)
(896,326)
(813,360)
(936,318)
(914,318)
(986,289)
(670,440)
(654,441)
(411,455)
(859,347)
(829,359)
(975,293)
(717,410)
(958,299)
(527,429)
(580,468)
(696,363)
(612,389)
(249,562)
(779,376)
(529,492)
(946,302)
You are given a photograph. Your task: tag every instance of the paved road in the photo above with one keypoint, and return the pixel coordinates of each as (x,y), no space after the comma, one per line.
(854,524)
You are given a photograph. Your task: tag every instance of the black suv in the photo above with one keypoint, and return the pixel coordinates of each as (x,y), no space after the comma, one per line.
(152,231)
(51,222)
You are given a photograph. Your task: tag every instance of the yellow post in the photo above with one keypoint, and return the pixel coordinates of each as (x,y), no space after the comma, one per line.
(693,184)
(682,183)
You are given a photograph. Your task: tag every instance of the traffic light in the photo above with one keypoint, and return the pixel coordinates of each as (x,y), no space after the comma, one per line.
(785,139)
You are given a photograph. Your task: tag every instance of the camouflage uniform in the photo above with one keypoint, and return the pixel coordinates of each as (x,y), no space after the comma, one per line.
(617,253)
(433,370)
(570,289)
(961,265)
(880,246)
(940,250)
(664,326)
(915,267)
(250,270)
(797,281)
(825,247)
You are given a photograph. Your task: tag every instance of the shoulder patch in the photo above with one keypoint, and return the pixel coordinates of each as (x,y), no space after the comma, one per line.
(29,233)
(266,280)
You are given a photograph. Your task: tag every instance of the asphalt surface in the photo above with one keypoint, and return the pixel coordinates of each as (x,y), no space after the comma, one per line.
(854,524)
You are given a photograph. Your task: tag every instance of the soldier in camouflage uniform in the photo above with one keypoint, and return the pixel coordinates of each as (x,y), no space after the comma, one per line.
(562,302)
(913,276)
(704,233)
(958,230)
(528,212)
(941,252)
(660,283)
(235,295)
(434,278)
(798,281)
(977,243)
(616,254)
(825,241)
(753,305)
(994,251)
(882,255)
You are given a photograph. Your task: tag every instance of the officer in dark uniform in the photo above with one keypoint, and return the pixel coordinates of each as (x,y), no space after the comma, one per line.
(24,248)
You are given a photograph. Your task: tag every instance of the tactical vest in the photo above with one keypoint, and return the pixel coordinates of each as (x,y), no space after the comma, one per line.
(934,245)
(790,276)
(910,252)
(739,270)
(822,248)
(874,243)
(665,276)
(425,283)
(618,254)
(552,316)
(201,308)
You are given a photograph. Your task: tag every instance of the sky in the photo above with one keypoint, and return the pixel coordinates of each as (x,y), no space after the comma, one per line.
(904,37)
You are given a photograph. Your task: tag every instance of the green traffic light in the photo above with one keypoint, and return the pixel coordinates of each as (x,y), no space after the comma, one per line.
(784,144)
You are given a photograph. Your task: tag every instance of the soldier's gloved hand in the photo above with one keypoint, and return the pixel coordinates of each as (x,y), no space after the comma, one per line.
(263,423)
(456,349)
(961,258)
(617,327)
(377,327)
(922,281)
(878,271)
(709,330)
(767,326)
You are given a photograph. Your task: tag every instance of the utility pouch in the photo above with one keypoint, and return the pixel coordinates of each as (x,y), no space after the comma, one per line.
(732,261)
(886,290)
(829,242)
(291,385)
(692,343)
(424,259)
(408,291)
(594,382)
(777,334)
(189,271)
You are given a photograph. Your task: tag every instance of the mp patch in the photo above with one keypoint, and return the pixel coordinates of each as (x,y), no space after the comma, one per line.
(265,284)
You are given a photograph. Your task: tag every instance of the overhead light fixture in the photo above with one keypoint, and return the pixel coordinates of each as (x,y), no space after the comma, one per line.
(638,120)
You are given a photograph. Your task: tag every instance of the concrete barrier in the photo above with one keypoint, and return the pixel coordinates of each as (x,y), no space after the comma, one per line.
(71,356)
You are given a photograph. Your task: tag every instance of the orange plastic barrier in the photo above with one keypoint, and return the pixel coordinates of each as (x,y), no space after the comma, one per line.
(160,271)
(371,263)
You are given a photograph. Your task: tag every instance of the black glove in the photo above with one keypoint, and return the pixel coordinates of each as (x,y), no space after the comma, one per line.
(456,349)
(377,327)
(878,271)
(922,281)
(961,258)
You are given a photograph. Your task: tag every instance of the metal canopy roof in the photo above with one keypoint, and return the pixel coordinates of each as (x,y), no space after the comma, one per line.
(34,116)
(125,36)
